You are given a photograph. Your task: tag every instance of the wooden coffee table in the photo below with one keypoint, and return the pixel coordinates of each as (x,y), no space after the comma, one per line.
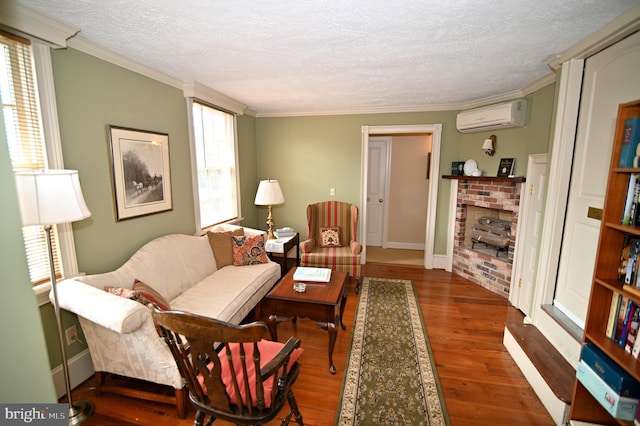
(321,302)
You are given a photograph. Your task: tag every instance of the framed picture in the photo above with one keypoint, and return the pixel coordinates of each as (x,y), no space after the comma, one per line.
(506,167)
(140,172)
(457,168)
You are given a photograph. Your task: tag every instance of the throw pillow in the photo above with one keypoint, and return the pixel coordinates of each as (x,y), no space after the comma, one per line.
(142,294)
(149,294)
(330,237)
(123,292)
(249,250)
(222,246)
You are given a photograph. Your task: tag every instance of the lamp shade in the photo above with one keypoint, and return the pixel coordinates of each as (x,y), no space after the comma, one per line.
(269,193)
(49,197)
(487,145)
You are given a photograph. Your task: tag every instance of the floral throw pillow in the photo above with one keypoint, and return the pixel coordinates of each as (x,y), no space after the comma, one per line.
(249,250)
(330,237)
(141,293)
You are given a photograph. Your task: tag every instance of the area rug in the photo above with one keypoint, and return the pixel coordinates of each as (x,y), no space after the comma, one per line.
(390,378)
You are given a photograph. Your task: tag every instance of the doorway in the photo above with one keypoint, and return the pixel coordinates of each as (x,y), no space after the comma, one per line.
(435,130)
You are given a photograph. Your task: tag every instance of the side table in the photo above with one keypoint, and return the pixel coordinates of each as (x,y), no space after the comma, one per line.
(278,251)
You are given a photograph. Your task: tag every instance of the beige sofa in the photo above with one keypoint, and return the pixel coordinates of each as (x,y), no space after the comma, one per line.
(120,332)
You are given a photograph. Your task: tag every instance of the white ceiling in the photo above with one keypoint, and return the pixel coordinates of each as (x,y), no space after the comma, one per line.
(283,57)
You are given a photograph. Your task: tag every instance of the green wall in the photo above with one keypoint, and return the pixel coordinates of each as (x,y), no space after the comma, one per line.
(24,371)
(308,155)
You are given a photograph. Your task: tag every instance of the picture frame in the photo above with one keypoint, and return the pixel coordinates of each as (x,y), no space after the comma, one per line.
(506,167)
(457,168)
(140,172)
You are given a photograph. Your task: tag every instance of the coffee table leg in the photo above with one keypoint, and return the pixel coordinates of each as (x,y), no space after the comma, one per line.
(272,324)
(333,332)
(343,302)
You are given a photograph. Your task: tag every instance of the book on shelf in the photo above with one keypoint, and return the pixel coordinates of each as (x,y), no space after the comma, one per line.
(628,266)
(624,330)
(630,141)
(616,298)
(304,273)
(634,322)
(629,201)
(613,375)
(622,312)
(620,407)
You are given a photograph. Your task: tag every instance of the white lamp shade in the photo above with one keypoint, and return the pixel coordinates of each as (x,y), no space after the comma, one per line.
(488,144)
(49,197)
(269,193)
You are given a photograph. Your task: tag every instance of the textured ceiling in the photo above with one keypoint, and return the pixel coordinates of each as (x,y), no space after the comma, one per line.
(300,56)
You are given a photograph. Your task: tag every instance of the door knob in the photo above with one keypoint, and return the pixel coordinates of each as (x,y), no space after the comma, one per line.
(380,200)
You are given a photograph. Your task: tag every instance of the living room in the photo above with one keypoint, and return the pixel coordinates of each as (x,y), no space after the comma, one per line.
(92,93)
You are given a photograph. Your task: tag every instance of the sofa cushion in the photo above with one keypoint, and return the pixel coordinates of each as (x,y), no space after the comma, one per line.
(229,294)
(268,351)
(222,246)
(249,250)
(330,237)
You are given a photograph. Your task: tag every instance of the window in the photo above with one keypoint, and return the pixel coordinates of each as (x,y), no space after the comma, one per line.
(26,134)
(215,162)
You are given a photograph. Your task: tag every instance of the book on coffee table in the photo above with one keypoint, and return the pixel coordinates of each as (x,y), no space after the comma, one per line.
(303,273)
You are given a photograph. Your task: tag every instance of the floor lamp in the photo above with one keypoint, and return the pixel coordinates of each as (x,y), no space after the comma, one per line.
(47,198)
(269,193)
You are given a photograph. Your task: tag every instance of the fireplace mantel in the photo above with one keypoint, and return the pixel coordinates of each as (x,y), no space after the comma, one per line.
(485,178)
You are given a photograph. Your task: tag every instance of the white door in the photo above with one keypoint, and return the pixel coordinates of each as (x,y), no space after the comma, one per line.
(529,228)
(377,189)
(610,78)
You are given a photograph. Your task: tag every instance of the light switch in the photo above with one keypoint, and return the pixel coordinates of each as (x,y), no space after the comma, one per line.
(332,191)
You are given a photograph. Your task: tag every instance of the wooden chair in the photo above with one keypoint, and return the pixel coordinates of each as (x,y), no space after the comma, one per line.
(219,362)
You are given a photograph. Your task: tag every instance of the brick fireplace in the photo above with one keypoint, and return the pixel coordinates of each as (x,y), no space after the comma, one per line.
(488,196)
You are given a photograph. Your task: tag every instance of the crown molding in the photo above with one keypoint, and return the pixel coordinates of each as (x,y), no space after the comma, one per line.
(193,89)
(357,111)
(614,31)
(85,46)
(35,24)
(503,97)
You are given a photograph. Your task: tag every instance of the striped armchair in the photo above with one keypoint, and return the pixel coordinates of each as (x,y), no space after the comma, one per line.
(346,256)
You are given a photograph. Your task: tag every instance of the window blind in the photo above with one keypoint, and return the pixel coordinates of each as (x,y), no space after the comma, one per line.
(215,152)
(21,114)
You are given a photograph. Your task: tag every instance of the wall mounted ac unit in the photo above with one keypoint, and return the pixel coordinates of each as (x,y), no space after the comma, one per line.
(498,116)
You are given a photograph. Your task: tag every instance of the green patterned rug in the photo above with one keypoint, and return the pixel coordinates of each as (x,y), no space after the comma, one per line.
(390,377)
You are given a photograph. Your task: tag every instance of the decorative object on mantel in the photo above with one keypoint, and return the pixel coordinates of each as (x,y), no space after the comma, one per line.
(469,167)
(47,198)
(457,168)
(489,145)
(269,193)
(506,167)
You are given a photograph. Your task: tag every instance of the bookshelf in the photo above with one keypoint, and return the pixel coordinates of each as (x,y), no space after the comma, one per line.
(605,279)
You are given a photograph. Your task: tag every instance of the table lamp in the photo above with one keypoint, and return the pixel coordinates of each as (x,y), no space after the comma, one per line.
(269,194)
(47,198)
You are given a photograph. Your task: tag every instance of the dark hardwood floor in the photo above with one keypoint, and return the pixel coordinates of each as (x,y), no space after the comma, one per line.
(465,323)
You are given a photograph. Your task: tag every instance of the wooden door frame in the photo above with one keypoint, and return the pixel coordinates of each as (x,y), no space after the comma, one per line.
(436,131)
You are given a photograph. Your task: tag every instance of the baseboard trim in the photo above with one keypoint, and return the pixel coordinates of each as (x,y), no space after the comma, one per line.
(405,246)
(440,261)
(80,369)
